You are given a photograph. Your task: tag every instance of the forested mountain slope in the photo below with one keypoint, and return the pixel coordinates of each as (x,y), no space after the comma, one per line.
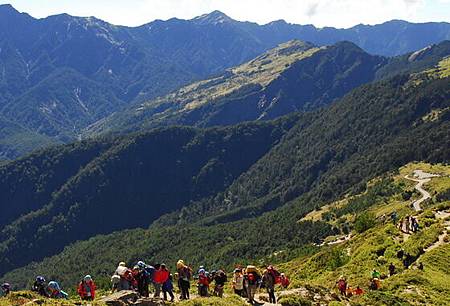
(129,181)
(325,155)
(104,67)
(295,76)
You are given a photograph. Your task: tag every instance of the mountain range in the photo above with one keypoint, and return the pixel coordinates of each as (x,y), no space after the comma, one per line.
(62,74)
(212,182)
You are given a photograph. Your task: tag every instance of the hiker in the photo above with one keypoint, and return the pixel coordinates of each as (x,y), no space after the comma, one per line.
(269,280)
(142,278)
(220,278)
(394,217)
(238,282)
(349,291)
(375,284)
(184,274)
(40,286)
(86,289)
(415,224)
(203,283)
(342,285)
(421,266)
(376,274)
(167,288)
(123,272)
(284,281)
(160,276)
(115,280)
(358,291)
(55,291)
(5,289)
(391,269)
(252,278)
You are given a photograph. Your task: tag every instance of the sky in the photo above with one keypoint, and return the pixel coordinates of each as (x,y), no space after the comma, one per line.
(336,13)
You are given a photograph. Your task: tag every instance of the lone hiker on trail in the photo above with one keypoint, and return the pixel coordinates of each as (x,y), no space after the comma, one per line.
(342,285)
(252,277)
(391,269)
(269,282)
(86,289)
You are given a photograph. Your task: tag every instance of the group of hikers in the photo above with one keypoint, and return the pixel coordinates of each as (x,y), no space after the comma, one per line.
(245,282)
(408,225)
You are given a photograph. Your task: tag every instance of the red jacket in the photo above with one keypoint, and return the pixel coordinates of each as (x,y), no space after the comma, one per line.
(161,276)
(82,290)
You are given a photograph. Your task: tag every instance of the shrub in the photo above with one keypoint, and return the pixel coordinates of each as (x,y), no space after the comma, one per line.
(365,221)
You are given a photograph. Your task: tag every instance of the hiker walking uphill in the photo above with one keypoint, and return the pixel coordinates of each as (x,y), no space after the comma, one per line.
(220,278)
(55,291)
(269,281)
(167,289)
(143,278)
(5,289)
(40,286)
(160,276)
(184,274)
(342,285)
(238,283)
(86,289)
(126,277)
(203,283)
(252,278)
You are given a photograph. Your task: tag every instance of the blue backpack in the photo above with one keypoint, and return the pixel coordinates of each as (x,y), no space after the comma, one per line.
(150,270)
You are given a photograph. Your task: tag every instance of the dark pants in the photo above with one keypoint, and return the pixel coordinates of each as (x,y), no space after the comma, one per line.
(271,292)
(241,292)
(87,298)
(172,297)
(184,289)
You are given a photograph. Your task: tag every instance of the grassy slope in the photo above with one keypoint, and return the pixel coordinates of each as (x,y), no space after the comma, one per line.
(378,246)
(374,248)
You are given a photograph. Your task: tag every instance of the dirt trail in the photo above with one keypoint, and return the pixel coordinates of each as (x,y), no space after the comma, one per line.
(421,178)
(445,233)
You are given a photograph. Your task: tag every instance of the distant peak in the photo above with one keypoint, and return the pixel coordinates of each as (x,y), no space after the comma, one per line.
(215,17)
(7,8)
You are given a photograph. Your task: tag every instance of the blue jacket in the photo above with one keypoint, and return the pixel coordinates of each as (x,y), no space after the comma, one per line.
(168,285)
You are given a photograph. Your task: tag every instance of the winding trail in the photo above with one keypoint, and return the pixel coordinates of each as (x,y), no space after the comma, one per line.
(421,178)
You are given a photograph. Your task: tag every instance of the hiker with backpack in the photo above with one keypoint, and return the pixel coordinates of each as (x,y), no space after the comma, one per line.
(40,286)
(220,279)
(160,276)
(86,289)
(269,280)
(284,281)
(115,280)
(142,278)
(203,283)
(167,289)
(55,291)
(342,285)
(252,278)
(5,289)
(238,282)
(391,269)
(123,272)
(184,274)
